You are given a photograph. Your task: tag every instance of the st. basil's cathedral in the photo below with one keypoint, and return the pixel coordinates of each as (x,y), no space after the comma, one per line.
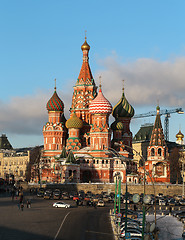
(83,149)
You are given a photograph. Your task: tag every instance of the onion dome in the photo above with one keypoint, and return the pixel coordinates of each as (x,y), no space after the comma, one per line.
(55,103)
(180,135)
(116,125)
(74,122)
(85,46)
(123,108)
(100,104)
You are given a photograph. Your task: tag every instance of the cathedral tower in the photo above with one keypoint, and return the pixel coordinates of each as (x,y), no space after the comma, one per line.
(122,112)
(54,131)
(157,162)
(100,134)
(85,91)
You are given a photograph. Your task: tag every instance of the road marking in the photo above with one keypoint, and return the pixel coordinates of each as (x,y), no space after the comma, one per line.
(61,226)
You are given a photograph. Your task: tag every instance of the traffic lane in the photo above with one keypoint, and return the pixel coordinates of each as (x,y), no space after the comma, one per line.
(87,224)
(41,221)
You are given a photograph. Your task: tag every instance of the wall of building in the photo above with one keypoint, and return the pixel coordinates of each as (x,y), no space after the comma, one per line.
(12,163)
(132,188)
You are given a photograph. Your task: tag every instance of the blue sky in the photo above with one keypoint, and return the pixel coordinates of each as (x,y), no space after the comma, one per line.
(142,42)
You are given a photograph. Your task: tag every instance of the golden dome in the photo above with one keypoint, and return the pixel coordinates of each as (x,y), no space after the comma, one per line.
(85,46)
(179,135)
(74,122)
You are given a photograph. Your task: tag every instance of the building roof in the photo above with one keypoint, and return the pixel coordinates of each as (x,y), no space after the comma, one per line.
(55,103)
(4,143)
(74,122)
(123,108)
(144,133)
(157,137)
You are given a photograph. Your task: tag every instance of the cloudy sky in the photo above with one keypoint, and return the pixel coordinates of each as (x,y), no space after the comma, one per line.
(141,42)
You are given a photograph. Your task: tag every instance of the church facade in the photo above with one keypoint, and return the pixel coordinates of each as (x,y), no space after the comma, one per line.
(82,148)
(86,136)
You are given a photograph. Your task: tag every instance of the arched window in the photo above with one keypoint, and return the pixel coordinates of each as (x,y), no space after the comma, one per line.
(159,152)
(152,152)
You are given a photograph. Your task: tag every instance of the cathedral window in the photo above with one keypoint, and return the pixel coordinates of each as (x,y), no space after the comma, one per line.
(152,152)
(159,151)
(97,161)
(102,161)
(107,161)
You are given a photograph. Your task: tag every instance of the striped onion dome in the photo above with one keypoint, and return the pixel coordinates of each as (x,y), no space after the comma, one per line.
(55,103)
(123,108)
(100,104)
(116,125)
(74,122)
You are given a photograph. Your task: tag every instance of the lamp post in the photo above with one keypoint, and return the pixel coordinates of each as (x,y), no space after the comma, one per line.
(118,185)
(144,185)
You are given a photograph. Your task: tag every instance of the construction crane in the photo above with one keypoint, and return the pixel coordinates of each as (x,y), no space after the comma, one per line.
(165,112)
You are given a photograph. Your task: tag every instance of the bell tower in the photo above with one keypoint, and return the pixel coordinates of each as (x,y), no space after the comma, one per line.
(54,131)
(85,91)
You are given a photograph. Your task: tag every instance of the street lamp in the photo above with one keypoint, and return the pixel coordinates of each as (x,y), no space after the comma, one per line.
(117,175)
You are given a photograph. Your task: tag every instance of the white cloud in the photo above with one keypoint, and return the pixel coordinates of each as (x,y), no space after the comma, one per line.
(146,81)
(27,114)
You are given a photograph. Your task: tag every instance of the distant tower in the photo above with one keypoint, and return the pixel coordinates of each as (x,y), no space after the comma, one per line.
(100,134)
(157,161)
(180,137)
(85,91)
(54,130)
(122,112)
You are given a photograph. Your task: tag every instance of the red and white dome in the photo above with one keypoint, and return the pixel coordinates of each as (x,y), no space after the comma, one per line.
(100,104)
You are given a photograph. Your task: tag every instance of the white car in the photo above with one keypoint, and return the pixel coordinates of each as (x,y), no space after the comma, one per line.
(61,205)
(100,203)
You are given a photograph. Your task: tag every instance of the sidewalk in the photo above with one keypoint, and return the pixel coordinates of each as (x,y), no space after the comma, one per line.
(170,228)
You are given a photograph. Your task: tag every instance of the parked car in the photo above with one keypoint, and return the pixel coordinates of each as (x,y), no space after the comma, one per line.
(40,193)
(76,197)
(172,202)
(100,203)
(61,205)
(56,194)
(48,194)
(182,202)
(65,195)
(162,202)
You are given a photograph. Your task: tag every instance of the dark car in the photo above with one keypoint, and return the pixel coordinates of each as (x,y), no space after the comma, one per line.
(56,194)
(48,194)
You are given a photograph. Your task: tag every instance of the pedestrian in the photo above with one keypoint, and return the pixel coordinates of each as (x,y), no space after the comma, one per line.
(28,203)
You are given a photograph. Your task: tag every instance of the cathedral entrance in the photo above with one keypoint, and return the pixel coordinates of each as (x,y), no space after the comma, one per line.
(86,176)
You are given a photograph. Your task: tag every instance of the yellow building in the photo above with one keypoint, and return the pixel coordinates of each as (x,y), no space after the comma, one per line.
(13,165)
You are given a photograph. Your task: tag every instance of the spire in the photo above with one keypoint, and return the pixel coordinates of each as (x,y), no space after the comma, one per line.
(100,84)
(55,85)
(157,137)
(85,72)
(123,89)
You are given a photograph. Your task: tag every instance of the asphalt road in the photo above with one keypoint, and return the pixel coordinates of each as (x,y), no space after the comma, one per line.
(43,222)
